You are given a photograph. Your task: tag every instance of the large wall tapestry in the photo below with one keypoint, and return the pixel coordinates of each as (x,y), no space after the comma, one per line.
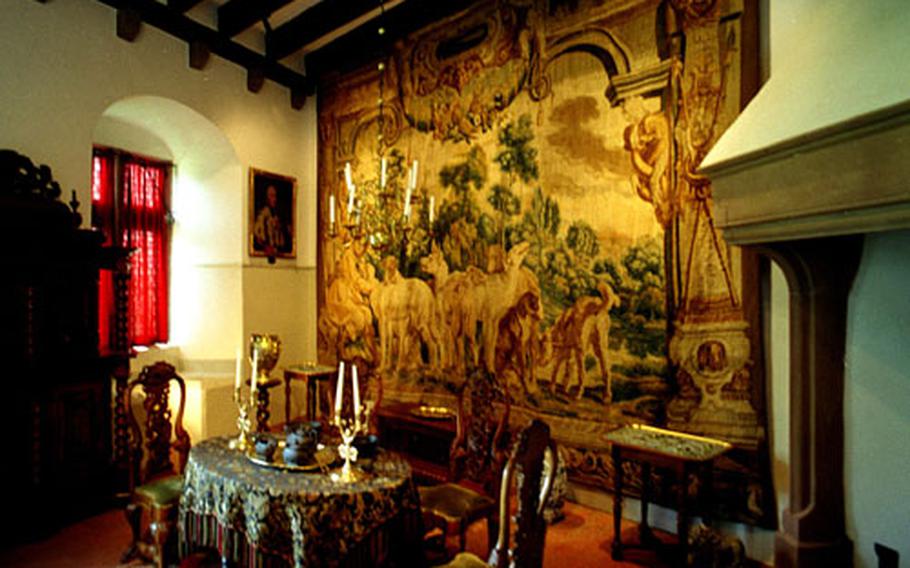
(558,235)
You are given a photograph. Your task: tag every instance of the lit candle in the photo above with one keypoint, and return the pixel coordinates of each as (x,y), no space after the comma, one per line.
(382,172)
(338,391)
(348,177)
(432,206)
(356,397)
(238,369)
(332,209)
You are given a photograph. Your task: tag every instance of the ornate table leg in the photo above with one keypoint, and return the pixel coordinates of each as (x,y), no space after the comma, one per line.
(616,550)
(682,516)
(312,387)
(287,399)
(645,536)
(707,492)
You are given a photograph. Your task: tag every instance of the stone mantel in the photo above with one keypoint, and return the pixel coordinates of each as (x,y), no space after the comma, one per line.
(852,177)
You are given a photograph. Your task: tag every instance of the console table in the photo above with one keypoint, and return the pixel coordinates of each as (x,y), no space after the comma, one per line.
(684,454)
(425,442)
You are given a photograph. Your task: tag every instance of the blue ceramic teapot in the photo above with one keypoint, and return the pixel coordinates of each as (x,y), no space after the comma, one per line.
(300,443)
(265,446)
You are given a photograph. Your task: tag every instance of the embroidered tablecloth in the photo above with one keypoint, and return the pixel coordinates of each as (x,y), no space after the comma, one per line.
(252,514)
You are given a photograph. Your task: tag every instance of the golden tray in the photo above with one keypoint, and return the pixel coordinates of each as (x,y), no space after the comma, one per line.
(322,459)
(433,412)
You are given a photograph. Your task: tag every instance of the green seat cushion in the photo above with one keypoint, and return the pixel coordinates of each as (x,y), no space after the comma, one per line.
(466,560)
(454,502)
(164,491)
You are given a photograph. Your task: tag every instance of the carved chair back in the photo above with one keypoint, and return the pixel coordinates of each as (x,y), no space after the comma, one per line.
(534,483)
(479,449)
(161,435)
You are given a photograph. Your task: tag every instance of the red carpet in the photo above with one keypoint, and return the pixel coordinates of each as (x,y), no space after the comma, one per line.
(580,540)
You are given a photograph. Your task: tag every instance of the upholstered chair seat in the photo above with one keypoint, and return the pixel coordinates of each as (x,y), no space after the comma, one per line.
(456,503)
(161,492)
(466,560)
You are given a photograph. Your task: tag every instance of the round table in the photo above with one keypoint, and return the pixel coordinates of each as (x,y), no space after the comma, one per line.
(257,515)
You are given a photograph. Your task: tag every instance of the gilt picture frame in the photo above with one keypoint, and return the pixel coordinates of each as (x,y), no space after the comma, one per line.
(272,215)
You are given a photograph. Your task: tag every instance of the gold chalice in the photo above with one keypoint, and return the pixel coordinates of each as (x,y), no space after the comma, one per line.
(264,350)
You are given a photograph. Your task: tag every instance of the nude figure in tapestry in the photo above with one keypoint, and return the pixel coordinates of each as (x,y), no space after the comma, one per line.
(347,317)
(648,141)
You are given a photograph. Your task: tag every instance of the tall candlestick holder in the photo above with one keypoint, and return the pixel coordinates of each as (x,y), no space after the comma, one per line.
(349,429)
(243,442)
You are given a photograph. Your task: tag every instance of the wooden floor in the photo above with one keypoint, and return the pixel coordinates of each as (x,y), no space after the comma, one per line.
(580,540)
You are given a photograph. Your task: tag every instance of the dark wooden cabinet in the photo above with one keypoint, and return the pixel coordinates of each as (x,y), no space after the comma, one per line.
(424,442)
(55,412)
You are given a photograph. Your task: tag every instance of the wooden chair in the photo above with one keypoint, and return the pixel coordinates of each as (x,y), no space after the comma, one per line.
(476,457)
(155,481)
(526,468)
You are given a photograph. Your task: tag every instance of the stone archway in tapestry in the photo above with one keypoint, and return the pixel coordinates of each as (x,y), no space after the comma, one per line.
(559,236)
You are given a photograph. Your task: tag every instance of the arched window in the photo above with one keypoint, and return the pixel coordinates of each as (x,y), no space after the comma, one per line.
(131,207)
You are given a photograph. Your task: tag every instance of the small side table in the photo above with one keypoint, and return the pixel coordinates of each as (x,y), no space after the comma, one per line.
(313,375)
(262,403)
(685,454)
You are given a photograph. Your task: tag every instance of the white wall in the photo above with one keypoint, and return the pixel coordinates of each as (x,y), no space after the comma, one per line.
(877,397)
(62,69)
(831,60)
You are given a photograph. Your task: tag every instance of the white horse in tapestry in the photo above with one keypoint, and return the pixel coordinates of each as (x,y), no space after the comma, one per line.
(453,291)
(406,311)
(500,292)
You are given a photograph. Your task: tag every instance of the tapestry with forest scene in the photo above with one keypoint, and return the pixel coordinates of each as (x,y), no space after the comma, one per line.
(539,215)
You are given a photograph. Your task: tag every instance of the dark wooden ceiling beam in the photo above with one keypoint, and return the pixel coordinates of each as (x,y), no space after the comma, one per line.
(198,54)
(237,15)
(182,5)
(362,45)
(315,22)
(160,16)
(129,24)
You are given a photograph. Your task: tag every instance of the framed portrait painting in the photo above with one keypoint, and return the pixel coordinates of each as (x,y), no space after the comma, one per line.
(273,201)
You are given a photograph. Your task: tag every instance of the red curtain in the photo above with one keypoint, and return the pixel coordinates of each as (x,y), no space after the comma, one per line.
(145,231)
(103,220)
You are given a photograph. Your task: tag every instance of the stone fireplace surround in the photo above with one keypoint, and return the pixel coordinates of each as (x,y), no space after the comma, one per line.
(806,202)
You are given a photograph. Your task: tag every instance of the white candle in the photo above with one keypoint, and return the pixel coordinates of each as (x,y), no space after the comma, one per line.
(332,209)
(382,172)
(356,396)
(351,191)
(253,382)
(238,369)
(414,174)
(432,206)
(338,391)
(407,203)
(348,181)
